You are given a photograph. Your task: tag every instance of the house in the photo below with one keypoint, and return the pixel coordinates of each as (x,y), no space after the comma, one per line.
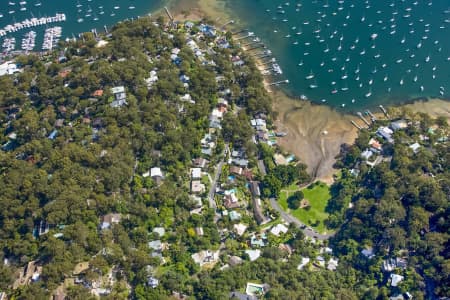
(320,261)
(155,245)
(278,229)
(97,93)
(59,123)
(200,162)
(152,282)
(415,147)
(119,97)
(396,279)
(196,173)
(368,252)
(187,98)
(8,68)
(197,187)
(375,145)
(214,122)
(303,263)
(332,264)
(253,254)
(240,162)
(234,215)
(366,154)
(279,159)
(236,170)
(258,242)
(240,228)
(199,231)
(399,124)
(188,25)
(110,219)
(156,172)
(385,133)
(230,199)
(206,257)
(152,79)
(159,230)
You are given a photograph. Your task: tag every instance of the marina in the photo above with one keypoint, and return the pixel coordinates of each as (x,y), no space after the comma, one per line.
(354,54)
(18,18)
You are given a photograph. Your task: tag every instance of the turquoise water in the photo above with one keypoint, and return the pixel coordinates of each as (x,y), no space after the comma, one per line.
(332,40)
(82,15)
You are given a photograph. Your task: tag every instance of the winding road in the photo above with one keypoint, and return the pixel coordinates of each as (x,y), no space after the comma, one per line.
(308,231)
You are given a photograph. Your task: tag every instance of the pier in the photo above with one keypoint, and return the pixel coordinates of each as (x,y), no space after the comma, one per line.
(278,82)
(33,22)
(362,118)
(356,125)
(385,112)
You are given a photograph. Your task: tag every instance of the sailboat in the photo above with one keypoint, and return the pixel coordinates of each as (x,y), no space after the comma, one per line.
(368,93)
(310,76)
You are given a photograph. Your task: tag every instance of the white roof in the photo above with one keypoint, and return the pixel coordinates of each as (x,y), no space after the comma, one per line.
(253,254)
(396,279)
(159,230)
(118,89)
(368,253)
(279,228)
(366,154)
(217,113)
(332,264)
(240,228)
(415,147)
(304,262)
(196,172)
(8,68)
(155,172)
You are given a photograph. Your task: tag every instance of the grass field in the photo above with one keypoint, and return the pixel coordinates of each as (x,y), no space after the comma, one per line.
(318,196)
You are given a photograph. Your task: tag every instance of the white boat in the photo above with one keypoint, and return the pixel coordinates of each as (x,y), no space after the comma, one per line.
(310,76)
(370,81)
(421,88)
(345,76)
(415,78)
(368,94)
(401,81)
(427,59)
(385,78)
(403,40)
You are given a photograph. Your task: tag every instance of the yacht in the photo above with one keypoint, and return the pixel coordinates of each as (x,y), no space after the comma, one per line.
(415,78)
(401,81)
(310,76)
(368,94)
(345,76)
(427,59)
(385,78)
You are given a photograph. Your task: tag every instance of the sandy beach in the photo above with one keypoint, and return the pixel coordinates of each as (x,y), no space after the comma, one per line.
(315,132)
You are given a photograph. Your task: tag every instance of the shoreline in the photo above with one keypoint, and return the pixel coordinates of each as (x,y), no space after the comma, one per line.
(315,131)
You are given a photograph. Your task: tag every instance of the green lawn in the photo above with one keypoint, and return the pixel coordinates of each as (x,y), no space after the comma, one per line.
(318,197)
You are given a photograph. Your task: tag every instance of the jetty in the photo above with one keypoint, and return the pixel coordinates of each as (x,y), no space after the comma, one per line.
(33,22)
